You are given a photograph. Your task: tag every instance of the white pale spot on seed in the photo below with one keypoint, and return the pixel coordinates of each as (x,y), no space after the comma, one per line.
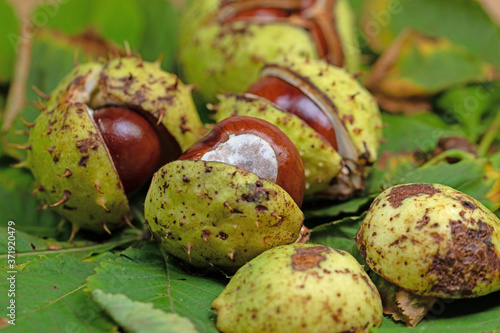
(249,152)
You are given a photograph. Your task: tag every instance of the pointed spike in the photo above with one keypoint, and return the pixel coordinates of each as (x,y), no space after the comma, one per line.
(19,146)
(48,132)
(26,123)
(226,204)
(105,227)
(140,60)
(41,106)
(127,221)
(231,255)
(100,202)
(257,224)
(190,247)
(128,53)
(212,107)
(160,118)
(191,86)
(22,164)
(111,56)
(98,188)
(64,198)
(40,93)
(49,149)
(74,230)
(66,173)
(159,59)
(22,132)
(176,84)
(276,216)
(40,188)
(168,234)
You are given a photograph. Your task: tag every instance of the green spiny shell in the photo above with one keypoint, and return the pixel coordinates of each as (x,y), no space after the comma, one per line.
(68,157)
(70,161)
(138,83)
(355,107)
(432,240)
(321,162)
(299,288)
(234,53)
(215,214)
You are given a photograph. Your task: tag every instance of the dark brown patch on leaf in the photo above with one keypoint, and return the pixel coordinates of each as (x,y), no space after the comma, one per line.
(470,259)
(400,193)
(309,257)
(223,235)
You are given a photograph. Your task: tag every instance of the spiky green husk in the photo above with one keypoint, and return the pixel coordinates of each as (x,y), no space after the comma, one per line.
(70,161)
(356,108)
(215,214)
(131,81)
(228,58)
(321,162)
(68,157)
(432,240)
(299,288)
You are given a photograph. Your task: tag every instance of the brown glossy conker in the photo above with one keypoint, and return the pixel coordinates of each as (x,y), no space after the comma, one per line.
(246,142)
(133,144)
(294,101)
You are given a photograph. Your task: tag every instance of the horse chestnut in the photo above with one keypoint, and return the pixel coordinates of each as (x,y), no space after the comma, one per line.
(231,196)
(101,134)
(238,37)
(257,146)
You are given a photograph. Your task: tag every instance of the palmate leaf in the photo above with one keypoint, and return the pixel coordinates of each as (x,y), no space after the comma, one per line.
(463,22)
(29,247)
(18,205)
(143,275)
(149,26)
(49,297)
(135,316)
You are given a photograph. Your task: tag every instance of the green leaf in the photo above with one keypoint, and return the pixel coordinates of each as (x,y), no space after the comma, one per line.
(411,132)
(463,22)
(419,65)
(150,27)
(144,276)
(18,205)
(339,235)
(470,105)
(161,21)
(140,317)
(9,30)
(351,206)
(29,247)
(49,297)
